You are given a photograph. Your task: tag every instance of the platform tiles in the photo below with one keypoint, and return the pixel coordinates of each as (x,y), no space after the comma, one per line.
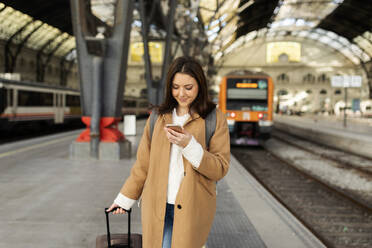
(51,201)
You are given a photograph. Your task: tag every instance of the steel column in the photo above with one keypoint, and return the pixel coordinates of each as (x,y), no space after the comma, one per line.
(151,91)
(63,70)
(106,83)
(167,55)
(96,106)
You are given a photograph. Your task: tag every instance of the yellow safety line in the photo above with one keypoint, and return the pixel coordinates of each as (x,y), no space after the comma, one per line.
(35,146)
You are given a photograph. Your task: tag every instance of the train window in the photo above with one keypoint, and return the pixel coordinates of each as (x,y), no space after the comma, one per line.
(72,101)
(247,94)
(3,100)
(32,98)
(10,97)
(129,103)
(143,104)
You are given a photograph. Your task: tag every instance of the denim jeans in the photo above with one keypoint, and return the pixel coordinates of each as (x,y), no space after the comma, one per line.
(168,226)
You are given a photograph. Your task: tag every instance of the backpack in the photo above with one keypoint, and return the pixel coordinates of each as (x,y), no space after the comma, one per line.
(210,125)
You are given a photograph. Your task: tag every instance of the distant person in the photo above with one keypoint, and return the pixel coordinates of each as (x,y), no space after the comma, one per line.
(175,173)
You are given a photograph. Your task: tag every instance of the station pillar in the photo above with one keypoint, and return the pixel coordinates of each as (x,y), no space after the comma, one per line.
(102,53)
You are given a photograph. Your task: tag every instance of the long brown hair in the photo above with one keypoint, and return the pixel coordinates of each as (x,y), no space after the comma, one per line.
(187,65)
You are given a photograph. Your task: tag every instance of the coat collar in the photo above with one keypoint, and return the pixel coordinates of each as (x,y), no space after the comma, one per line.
(168,118)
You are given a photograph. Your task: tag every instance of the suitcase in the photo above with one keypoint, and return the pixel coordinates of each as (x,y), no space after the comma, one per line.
(118,240)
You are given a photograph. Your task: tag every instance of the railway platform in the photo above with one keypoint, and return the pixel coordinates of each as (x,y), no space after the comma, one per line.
(49,200)
(355,138)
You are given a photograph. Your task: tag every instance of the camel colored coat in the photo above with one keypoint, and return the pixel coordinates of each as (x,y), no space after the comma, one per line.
(195,204)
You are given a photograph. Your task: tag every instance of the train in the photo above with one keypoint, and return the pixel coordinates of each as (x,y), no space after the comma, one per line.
(246,98)
(28,103)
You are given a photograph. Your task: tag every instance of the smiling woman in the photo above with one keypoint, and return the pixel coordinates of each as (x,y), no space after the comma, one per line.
(175,172)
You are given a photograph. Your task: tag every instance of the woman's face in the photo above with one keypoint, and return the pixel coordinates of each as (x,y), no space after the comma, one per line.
(184,89)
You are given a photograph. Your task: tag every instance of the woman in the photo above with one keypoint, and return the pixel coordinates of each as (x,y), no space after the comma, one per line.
(175,173)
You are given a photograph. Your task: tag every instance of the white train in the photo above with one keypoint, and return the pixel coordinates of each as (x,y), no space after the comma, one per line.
(26,102)
(35,102)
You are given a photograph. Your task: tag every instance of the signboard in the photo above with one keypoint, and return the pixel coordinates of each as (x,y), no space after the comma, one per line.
(346,81)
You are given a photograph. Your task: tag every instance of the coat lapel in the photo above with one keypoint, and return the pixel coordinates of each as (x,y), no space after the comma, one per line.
(167,118)
(192,117)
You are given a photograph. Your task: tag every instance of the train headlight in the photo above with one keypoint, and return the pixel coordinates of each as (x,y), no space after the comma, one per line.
(260,115)
(233,115)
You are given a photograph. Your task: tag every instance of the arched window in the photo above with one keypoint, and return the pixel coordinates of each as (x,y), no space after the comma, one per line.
(282,92)
(323,92)
(323,78)
(282,78)
(337,92)
(283,57)
(309,78)
(309,92)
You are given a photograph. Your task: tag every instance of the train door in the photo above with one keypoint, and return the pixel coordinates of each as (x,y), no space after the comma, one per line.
(58,107)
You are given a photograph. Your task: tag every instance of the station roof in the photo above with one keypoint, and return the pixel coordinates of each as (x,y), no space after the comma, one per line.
(345,25)
(40,25)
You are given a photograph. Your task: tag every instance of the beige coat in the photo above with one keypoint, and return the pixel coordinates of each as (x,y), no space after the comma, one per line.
(195,204)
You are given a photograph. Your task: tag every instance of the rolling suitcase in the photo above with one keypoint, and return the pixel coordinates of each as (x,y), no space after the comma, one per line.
(118,240)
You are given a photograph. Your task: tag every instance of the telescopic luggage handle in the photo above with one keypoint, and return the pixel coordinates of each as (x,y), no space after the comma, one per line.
(108,226)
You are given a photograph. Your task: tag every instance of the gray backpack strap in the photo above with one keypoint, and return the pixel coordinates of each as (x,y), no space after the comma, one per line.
(153,118)
(210,126)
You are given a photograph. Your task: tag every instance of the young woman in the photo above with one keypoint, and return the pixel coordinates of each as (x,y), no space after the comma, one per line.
(175,173)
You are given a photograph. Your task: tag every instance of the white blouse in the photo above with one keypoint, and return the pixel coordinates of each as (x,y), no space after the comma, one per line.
(193,152)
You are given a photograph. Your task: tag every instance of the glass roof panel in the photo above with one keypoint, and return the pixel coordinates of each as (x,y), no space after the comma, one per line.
(308,13)
(13,21)
(66,47)
(365,44)
(104,10)
(345,51)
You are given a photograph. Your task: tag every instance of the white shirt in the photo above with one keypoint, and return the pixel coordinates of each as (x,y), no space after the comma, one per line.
(193,152)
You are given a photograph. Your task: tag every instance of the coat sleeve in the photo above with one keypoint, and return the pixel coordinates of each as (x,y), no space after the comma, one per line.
(215,162)
(133,186)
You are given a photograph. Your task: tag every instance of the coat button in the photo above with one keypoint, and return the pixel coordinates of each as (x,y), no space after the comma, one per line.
(179,206)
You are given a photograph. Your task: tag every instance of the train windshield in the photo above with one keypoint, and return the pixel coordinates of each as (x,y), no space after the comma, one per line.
(246,94)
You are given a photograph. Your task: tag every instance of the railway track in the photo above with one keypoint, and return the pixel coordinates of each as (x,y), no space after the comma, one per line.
(347,160)
(347,173)
(333,217)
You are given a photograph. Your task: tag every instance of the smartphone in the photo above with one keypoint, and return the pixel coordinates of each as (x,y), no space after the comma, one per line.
(175,127)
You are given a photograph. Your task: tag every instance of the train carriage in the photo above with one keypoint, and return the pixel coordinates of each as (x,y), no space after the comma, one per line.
(25,102)
(247,100)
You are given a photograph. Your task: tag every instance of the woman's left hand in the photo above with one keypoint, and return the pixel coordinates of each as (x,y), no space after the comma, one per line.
(181,139)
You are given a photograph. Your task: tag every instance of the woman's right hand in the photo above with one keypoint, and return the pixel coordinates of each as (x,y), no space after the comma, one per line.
(118,210)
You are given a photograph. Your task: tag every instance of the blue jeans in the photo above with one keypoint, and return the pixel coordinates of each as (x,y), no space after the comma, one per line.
(168,226)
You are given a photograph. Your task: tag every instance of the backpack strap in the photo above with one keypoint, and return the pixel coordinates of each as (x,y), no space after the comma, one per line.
(210,126)
(153,118)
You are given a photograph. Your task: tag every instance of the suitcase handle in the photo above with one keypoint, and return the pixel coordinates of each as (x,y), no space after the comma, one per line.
(108,226)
